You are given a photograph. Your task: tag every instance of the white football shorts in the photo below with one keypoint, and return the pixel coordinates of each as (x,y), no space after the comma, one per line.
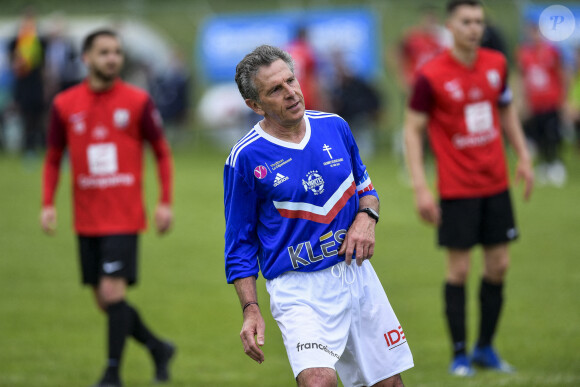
(339,318)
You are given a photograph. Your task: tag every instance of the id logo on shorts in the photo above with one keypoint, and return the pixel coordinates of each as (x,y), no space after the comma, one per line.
(395,338)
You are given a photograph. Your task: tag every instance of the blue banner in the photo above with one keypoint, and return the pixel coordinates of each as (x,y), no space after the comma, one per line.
(225,39)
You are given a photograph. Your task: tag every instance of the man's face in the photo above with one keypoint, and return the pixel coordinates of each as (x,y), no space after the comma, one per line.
(281,99)
(105,58)
(467,25)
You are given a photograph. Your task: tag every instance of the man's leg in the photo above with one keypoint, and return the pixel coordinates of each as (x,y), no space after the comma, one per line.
(458,261)
(124,320)
(110,296)
(491,297)
(317,377)
(491,292)
(393,381)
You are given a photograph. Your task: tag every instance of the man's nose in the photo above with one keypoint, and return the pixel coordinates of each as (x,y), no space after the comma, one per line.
(290,92)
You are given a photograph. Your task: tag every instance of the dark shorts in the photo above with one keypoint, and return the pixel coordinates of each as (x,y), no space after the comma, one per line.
(485,220)
(110,255)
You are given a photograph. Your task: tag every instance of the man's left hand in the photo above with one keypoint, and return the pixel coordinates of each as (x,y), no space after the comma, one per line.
(525,172)
(360,238)
(163,218)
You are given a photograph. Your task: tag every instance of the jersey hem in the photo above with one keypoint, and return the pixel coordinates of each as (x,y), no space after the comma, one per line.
(473,194)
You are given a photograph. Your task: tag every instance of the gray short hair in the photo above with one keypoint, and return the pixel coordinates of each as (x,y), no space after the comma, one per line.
(248,67)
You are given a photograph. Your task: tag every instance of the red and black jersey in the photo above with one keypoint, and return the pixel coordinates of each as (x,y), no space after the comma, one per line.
(464,130)
(104,133)
(541,69)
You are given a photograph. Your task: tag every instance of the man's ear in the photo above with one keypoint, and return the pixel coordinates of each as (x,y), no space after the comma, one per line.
(255,106)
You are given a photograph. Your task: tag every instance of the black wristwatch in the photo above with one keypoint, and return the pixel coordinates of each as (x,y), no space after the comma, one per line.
(370,212)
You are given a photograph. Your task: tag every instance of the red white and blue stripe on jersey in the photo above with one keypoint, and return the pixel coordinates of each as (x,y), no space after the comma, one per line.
(287,205)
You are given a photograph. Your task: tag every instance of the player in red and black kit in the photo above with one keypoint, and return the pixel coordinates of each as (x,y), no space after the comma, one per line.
(463,98)
(543,76)
(103,122)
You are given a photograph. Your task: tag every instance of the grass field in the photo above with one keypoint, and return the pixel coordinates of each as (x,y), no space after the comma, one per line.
(52,335)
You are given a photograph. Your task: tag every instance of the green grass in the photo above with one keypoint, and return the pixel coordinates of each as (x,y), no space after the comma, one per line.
(52,335)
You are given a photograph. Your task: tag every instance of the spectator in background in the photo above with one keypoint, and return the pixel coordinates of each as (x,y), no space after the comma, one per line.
(358,103)
(63,63)
(305,69)
(492,38)
(27,54)
(5,91)
(541,68)
(573,100)
(170,92)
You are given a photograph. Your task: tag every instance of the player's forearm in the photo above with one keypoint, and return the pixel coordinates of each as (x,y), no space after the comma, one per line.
(246,289)
(514,132)
(164,170)
(50,175)
(414,157)
(370,201)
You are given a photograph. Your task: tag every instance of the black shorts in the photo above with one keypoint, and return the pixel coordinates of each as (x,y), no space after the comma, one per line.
(109,255)
(484,220)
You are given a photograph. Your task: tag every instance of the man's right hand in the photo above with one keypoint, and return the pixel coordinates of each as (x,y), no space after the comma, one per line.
(252,333)
(48,219)
(428,210)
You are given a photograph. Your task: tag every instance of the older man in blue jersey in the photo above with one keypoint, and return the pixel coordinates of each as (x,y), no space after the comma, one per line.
(299,205)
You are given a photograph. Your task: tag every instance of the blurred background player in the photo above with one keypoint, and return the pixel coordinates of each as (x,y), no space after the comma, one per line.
(305,67)
(103,122)
(544,93)
(420,44)
(462,97)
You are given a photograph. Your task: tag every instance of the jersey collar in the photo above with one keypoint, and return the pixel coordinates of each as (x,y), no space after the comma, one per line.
(286,144)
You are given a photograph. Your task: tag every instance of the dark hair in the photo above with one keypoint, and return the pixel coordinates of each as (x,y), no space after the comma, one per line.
(248,67)
(453,4)
(90,39)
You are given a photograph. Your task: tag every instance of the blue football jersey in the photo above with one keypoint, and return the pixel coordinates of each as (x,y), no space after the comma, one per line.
(288,206)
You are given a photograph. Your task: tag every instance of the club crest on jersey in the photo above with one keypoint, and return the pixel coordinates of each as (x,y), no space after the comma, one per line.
(314,182)
(454,89)
(77,121)
(493,78)
(260,172)
(121,118)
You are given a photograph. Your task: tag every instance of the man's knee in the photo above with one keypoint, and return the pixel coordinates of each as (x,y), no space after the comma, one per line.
(497,263)
(458,266)
(317,377)
(110,290)
(393,381)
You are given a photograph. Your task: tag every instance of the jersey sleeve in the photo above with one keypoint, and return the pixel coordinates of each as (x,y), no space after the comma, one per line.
(506,95)
(241,240)
(56,144)
(364,185)
(422,95)
(152,130)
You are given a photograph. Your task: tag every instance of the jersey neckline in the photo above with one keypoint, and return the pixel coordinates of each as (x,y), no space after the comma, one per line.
(286,144)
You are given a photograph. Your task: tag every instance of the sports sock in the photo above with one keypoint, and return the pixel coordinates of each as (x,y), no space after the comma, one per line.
(491,300)
(119,325)
(455,312)
(140,332)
